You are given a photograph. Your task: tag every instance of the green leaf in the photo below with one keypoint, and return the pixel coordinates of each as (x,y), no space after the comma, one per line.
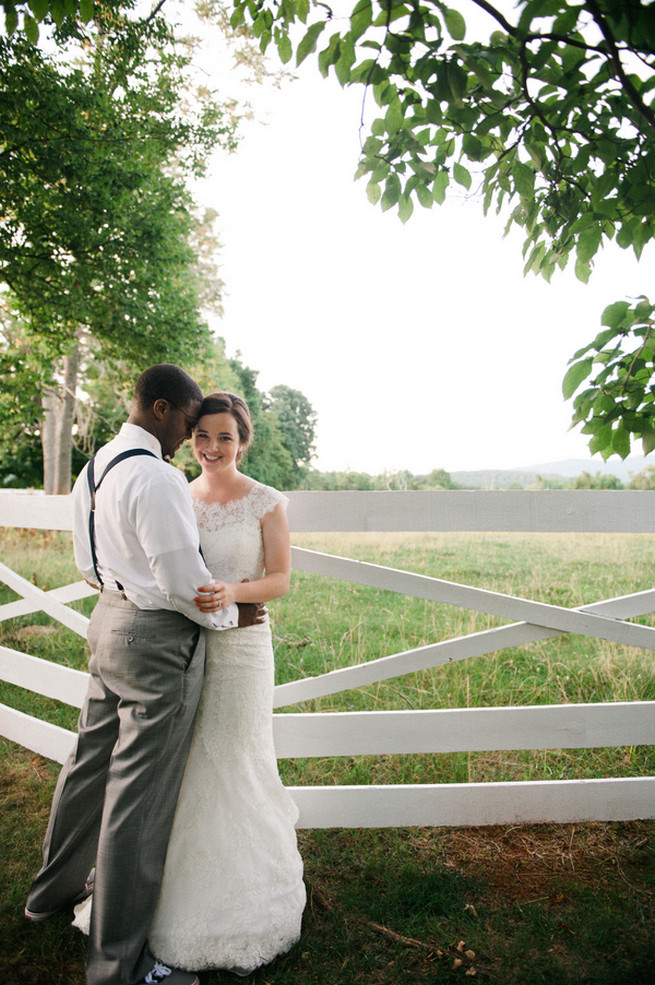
(394,117)
(405,207)
(589,243)
(11,20)
(329,55)
(473,147)
(599,443)
(457,80)
(308,43)
(614,314)
(424,195)
(344,62)
(621,442)
(537,151)
(523,179)
(302,10)
(586,220)
(39,8)
(373,192)
(455,23)
(433,112)
(362,17)
(648,443)
(384,92)
(604,403)
(391,192)
(441,182)
(461,175)
(644,309)
(284,48)
(259,25)
(583,270)
(86,11)
(367,72)
(603,338)
(574,376)
(372,145)
(535,259)
(31,29)
(625,235)
(238,16)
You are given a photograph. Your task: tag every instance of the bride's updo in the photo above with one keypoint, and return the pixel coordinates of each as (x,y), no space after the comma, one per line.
(229,403)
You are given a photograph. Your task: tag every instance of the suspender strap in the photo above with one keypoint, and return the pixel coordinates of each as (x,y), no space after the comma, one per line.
(93,488)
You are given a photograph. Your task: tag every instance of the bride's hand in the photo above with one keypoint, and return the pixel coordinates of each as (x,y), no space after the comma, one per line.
(215,596)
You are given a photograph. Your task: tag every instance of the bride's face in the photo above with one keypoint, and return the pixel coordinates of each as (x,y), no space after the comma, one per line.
(216,443)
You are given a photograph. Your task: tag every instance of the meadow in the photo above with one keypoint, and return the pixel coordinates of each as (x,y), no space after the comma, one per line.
(561,904)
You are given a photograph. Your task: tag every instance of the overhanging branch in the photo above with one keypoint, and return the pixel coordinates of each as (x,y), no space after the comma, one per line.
(615,60)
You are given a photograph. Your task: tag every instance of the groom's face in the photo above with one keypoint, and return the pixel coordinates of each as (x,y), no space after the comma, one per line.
(177,426)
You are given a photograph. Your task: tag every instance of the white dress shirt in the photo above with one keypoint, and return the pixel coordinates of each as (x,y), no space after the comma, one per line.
(145,531)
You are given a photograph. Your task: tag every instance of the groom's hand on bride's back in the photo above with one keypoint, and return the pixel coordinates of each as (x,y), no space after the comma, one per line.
(251,613)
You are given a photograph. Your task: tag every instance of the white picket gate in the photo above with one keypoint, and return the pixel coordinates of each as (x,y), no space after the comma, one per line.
(431,731)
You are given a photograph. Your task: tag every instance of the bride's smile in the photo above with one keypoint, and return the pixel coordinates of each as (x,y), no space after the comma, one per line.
(216,444)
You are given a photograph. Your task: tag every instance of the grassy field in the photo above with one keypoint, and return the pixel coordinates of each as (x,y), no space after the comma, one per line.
(563,905)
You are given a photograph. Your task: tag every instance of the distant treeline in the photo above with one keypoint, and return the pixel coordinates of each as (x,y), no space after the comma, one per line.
(440,479)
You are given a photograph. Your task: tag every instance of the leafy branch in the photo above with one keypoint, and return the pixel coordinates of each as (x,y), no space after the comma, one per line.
(545,112)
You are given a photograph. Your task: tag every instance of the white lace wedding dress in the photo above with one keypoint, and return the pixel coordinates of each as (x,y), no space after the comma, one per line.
(232,893)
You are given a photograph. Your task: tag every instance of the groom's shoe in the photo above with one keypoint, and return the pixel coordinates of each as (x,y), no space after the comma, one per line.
(35,917)
(39,917)
(169,976)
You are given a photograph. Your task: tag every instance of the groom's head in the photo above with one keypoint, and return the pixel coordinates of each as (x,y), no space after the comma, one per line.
(166,403)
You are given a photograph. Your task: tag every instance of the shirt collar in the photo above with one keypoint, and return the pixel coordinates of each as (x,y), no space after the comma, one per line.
(140,438)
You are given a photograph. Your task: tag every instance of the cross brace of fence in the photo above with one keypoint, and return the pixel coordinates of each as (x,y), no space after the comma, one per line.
(435,731)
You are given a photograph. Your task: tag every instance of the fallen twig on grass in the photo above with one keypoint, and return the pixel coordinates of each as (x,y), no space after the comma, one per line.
(463,957)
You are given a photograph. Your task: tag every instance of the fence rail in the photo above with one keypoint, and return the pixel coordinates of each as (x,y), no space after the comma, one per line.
(403,732)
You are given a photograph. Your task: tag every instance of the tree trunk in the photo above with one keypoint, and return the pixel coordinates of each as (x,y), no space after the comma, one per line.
(57,429)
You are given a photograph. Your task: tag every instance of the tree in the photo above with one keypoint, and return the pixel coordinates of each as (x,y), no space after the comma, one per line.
(26,15)
(549,118)
(598,481)
(339,481)
(437,479)
(103,403)
(97,248)
(268,459)
(297,420)
(643,480)
(21,461)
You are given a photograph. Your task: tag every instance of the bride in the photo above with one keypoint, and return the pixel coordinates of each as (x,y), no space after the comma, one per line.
(232,895)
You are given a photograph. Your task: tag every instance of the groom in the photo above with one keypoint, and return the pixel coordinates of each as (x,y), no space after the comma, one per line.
(135,537)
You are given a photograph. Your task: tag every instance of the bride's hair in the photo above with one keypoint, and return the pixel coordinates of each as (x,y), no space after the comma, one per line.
(229,403)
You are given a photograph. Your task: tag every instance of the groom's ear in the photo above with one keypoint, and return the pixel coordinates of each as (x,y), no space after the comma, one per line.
(161,408)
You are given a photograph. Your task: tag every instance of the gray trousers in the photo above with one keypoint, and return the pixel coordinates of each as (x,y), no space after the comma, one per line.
(116,795)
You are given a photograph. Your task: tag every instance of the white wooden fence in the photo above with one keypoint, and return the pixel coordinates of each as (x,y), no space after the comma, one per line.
(437,731)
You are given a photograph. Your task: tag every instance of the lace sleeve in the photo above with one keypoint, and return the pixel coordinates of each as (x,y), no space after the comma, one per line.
(264,499)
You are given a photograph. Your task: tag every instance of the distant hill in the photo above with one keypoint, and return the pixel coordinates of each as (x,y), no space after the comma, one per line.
(574,466)
(527,475)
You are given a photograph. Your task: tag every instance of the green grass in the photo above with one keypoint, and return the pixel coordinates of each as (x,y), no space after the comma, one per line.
(562,905)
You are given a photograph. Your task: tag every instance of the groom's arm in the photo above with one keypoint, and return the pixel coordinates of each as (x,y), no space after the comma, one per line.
(169,536)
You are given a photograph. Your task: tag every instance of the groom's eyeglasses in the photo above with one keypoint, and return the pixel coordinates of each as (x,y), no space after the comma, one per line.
(189,421)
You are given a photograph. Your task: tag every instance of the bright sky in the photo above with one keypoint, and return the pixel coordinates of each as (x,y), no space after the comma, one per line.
(419,346)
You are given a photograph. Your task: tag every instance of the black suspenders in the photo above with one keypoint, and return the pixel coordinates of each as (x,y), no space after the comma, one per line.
(93,488)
